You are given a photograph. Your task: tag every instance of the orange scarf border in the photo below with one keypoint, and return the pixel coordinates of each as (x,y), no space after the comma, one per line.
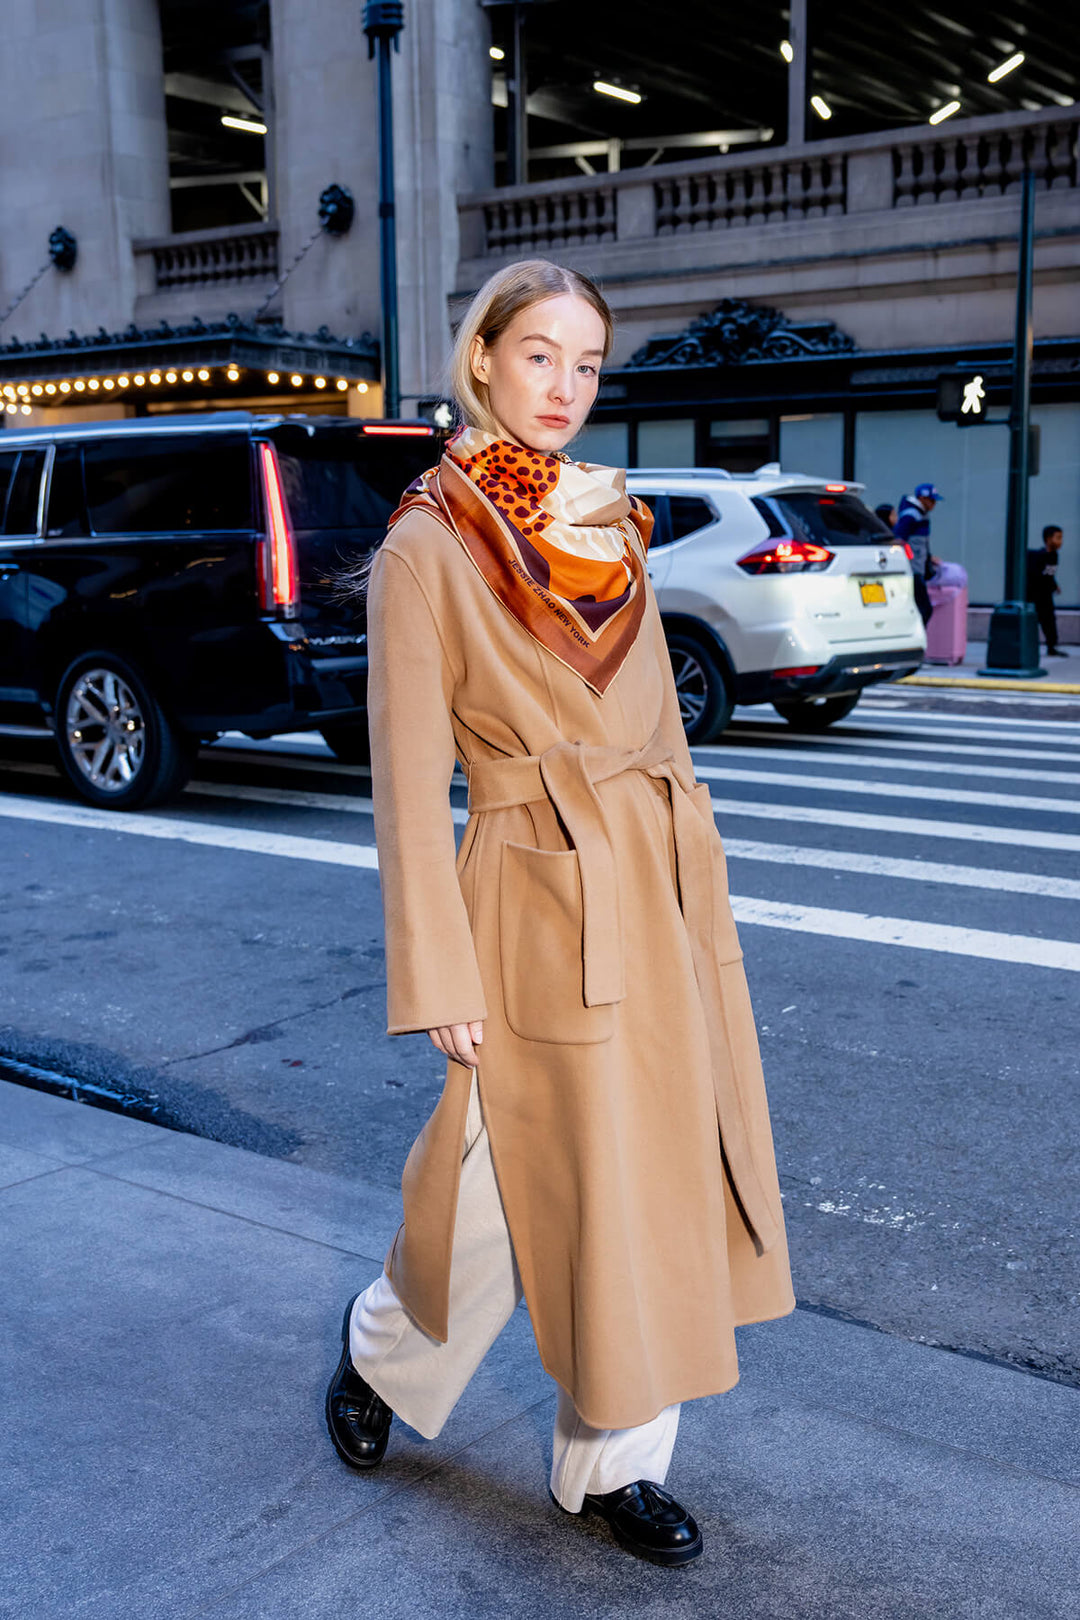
(454,498)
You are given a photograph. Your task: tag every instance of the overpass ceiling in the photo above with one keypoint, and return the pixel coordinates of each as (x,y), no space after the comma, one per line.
(709,66)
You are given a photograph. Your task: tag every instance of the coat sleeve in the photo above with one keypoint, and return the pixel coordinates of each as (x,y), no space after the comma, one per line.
(431,968)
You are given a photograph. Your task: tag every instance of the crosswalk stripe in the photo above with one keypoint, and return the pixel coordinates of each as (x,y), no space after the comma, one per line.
(192,832)
(802,748)
(908,826)
(887,790)
(893,866)
(942,725)
(980,942)
(819,920)
(928,767)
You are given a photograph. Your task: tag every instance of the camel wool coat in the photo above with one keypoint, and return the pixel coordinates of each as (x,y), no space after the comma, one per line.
(585,919)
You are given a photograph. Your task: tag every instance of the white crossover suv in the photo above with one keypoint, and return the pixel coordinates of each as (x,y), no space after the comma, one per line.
(775,587)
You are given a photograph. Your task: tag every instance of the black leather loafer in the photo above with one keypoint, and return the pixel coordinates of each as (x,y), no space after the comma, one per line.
(647,1520)
(358,1421)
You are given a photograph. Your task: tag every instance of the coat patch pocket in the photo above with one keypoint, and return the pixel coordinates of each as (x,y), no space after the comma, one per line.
(540,946)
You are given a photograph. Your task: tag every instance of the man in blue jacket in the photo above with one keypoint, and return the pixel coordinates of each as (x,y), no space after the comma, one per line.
(913,528)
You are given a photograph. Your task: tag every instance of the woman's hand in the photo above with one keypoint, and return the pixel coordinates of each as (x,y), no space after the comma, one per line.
(458,1040)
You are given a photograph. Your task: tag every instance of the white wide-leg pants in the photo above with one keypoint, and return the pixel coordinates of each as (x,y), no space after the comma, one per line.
(422,1380)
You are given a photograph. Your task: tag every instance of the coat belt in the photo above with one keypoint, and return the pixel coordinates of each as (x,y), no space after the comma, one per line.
(567,774)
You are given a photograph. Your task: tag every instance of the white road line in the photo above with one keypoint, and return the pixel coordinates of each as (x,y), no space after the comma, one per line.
(887,790)
(342,803)
(943,725)
(892,866)
(981,942)
(192,832)
(926,766)
(820,753)
(794,815)
(820,920)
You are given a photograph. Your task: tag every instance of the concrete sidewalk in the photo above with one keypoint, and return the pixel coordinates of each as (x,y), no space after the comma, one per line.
(1062,674)
(171,1317)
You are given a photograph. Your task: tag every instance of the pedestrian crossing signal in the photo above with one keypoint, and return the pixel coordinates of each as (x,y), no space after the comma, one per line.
(963,397)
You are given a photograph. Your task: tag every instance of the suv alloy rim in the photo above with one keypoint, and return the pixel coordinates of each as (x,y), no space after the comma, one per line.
(106,731)
(691,685)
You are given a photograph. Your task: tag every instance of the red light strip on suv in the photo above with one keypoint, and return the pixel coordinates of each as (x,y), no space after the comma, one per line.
(836,489)
(406,430)
(279,582)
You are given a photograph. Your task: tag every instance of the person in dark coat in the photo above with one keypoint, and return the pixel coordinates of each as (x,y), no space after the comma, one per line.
(912,527)
(1042,586)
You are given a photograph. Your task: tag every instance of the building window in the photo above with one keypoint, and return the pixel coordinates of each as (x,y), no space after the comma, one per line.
(666,443)
(738,445)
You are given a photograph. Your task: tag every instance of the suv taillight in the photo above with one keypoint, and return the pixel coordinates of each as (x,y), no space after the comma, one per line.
(278,584)
(785,557)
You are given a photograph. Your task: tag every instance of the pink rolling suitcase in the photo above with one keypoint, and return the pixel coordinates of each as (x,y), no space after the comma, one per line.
(946,634)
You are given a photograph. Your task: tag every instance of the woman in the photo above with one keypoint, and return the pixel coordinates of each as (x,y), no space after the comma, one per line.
(602,1142)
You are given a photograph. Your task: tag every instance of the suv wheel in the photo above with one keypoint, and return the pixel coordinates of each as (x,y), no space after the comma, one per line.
(817,714)
(349,742)
(119,748)
(705,701)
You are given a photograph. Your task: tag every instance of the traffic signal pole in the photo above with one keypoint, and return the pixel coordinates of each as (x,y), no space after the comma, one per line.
(383,22)
(1013,646)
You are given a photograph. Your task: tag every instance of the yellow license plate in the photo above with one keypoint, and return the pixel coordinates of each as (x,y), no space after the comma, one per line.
(872,591)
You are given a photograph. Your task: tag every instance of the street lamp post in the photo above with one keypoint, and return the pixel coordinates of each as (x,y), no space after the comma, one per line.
(383,22)
(1013,646)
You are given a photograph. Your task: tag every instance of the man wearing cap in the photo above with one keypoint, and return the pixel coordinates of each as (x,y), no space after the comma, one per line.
(913,529)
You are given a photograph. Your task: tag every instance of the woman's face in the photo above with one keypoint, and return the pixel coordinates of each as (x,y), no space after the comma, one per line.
(543,371)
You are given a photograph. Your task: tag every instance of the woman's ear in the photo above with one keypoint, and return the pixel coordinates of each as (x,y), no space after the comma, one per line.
(478,359)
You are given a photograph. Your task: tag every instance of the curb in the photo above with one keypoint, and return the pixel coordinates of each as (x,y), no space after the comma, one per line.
(989,683)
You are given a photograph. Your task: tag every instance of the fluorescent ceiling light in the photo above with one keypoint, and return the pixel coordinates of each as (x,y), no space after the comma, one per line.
(947,111)
(616,90)
(1006,67)
(787,50)
(496,53)
(822,108)
(250,125)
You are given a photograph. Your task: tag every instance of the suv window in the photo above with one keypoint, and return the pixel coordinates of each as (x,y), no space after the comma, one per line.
(7,472)
(830,520)
(340,480)
(22,507)
(66,518)
(688,514)
(194,482)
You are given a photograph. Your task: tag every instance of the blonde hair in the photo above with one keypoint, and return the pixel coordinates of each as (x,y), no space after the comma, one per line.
(500,300)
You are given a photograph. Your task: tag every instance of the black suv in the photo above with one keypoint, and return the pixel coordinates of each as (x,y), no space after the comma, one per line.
(164,581)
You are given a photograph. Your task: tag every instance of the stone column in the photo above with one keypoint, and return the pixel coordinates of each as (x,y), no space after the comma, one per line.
(82,130)
(325,132)
(444,147)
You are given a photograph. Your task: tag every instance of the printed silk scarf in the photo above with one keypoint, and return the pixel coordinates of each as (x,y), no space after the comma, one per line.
(554,540)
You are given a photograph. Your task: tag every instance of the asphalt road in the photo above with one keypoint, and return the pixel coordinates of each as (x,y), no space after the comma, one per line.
(907,893)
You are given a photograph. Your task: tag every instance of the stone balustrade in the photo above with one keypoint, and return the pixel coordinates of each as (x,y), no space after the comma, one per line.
(924,167)
(201,259)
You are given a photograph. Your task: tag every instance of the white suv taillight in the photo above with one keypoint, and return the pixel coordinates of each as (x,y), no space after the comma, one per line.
(786,557)
(278,583)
